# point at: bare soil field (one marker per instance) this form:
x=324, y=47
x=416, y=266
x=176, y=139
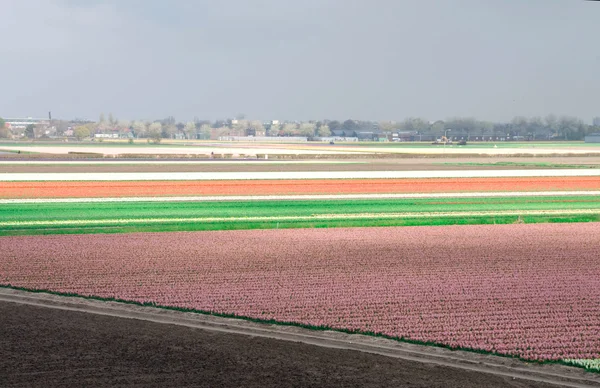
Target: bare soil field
x=290, y=187
x=44, y=347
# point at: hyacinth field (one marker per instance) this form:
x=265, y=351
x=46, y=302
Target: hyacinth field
x=529, y=291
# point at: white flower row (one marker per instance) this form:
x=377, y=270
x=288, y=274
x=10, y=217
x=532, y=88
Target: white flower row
x=311, y=197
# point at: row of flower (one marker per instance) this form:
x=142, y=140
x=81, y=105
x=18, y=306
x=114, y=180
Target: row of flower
x=63, y=189
x=524, y=290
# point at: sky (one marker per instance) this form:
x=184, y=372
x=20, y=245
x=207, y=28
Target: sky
x=299, y=60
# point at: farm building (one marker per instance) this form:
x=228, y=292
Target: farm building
x=593, y=138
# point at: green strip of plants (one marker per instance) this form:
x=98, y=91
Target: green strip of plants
x=329, y=223
x=144, y=210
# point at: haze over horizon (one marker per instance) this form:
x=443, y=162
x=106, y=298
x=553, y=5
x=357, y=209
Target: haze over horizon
x=292, y=60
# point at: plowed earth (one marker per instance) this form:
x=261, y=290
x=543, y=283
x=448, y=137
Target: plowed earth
x=288, y=187
x=56, y=348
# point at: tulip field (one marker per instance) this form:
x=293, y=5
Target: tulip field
x=527, y=291
x=134, y=188
x=493, y=261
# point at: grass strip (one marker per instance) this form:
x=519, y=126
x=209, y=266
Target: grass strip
x=19, y=212
x=192, y=226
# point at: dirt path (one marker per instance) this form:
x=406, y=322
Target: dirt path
x=468, y=362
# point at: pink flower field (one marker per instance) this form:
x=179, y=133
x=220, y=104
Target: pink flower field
x=526, y=290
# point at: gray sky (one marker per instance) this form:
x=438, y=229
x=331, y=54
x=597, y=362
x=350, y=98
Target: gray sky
x=300, y=60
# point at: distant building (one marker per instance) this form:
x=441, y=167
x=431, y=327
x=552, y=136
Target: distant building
x=106, y=136
x=596, y=122
x=593, y=138
x=22, y=123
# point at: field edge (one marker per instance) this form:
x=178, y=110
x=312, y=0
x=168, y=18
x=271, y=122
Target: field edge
x=300, y=325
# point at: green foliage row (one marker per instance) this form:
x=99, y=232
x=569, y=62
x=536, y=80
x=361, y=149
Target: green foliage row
x=333, y=223
x=143, y=210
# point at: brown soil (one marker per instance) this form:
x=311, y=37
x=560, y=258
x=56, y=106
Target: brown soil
x=42, y=347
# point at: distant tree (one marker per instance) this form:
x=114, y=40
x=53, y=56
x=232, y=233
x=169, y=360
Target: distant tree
x=350, y=126
x=289, y=129
x=240, y=127
x=307, y=129
x=168, y=130
x=205, y=131
x=551, y=123
x=536, y=128
x=323, y=131
x=520, y=125
x=257, y=125
x=485, y=128
x=155, y=132
x=112, y=121
x=168, y=121
x=571, y=128
x=30, y=131
x=101, y=120
x=219, y=124
x=462, y=125
x=438, y=127
x=334, y=125
x=275, y=130
x=139, y=128
x=81, y=132
x=387, y=126
x=415, y=124
x=4, y=132
x=199, y=123
x=190, y=130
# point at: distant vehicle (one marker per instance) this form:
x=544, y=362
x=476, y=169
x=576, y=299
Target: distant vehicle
x=442, y=140
x=331, y=143
x=462, y=142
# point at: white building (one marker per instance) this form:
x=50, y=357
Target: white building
x=22, y=123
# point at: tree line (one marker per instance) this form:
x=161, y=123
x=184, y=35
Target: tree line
x=531, y=128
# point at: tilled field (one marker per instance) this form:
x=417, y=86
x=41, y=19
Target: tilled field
x=42, y=347
x=523, y=290
x=287, y=187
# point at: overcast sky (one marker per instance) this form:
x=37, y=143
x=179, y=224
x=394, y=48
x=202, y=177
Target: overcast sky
x=300, y=60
